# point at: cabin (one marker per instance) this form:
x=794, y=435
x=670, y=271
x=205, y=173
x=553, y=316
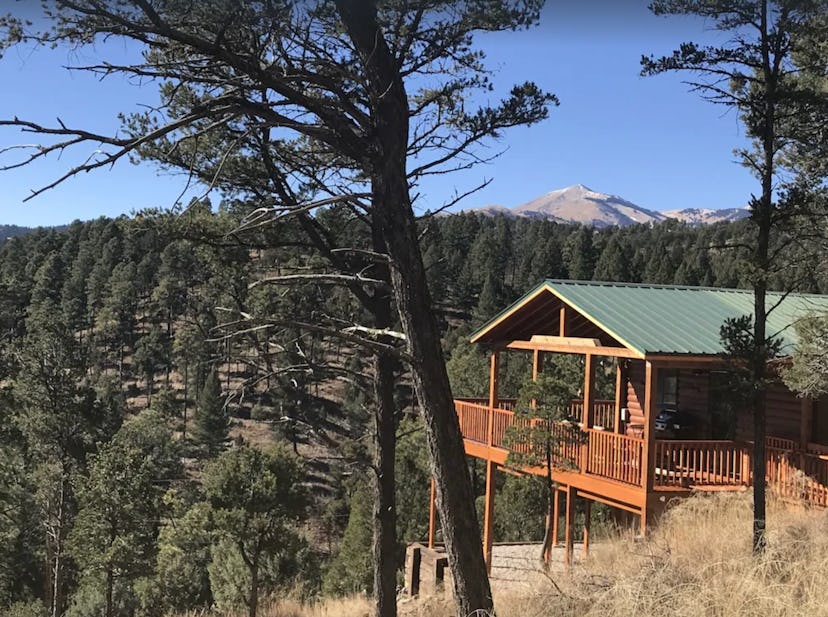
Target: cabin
x=668, y=430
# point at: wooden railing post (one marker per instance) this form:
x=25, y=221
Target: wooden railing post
x=587, y=412
x=589, y=390
x=619, y=403
x=494, y=370
x=648, y=451
x=746, y=466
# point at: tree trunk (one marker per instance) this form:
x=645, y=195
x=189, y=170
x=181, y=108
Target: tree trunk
x=385, y=511
x=186, y=401
x=253, y=598
x=762, y=216
x=391, y=208
x=109, y=584
x=546, y=545
x=58, y=537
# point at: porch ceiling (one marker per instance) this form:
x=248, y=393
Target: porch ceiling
x=539, y=312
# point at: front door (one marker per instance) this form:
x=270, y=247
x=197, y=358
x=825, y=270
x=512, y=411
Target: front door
x=722, y=406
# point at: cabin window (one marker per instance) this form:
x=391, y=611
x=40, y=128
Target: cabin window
x=819, y=419
x=668, y=388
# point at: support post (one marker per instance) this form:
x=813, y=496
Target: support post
x=432, y=514
x=488, y=514
x=562, y=322
x=556, y=517
x=619, y=394
x=648, y=451
x=494, y=370
x=589, y=390
x=537, y=363
x=587, y=522
x=569, y=539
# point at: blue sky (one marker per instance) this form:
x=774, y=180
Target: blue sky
x=646, y=139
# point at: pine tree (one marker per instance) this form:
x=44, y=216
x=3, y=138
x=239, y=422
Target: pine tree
x=114, y=537
x=256, y=500
x=212, y=423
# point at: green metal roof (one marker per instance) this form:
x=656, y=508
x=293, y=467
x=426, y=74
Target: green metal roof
x=671, y=319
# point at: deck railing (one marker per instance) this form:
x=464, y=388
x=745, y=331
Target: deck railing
x=798, y=475
x=603, y=411
x=474, y=420
x=710, y=463
x=614, y=456
x=595, y=452
x=791, y=473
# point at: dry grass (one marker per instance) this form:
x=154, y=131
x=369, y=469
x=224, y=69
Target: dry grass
x=697, y=563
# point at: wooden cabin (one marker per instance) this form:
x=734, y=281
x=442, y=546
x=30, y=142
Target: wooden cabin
x=663, y=344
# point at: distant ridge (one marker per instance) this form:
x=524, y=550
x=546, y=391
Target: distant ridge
x=12, y=231
x=580, y=204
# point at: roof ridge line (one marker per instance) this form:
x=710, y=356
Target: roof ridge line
x=674, y=287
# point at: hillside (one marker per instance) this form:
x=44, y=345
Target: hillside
x=145, y=313
x=12, y=231
x=580, y=204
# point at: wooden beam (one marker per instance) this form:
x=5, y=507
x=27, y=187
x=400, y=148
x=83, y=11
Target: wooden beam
x=494, y=371
x=569, y=538
x=556, y=516
x=610, y=502
x=619, y=395
x=432, y=514
x=589, y=390
x=648, y=451
x=600, y=350
x=617, y=494
x=562, y=329
x=537, y=363
x=488, y=514
x=587, y=522
x=534, y=294
x=578, y=341
x=680, y=361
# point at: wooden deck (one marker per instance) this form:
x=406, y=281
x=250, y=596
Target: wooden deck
x=608, y=467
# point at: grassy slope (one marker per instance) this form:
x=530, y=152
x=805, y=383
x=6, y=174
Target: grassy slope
x=697, y=563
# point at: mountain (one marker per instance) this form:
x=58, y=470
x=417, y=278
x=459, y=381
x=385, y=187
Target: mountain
x=706, y=216
x=580, y=204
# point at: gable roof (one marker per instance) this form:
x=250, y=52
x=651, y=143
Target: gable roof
x=664, y=319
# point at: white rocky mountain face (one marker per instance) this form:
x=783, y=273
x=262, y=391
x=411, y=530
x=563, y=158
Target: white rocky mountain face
x=580, y=204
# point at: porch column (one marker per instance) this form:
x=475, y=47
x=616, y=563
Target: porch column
x=562, y=323
x=488, y=514
x=589, y=390
x=619, y=393
x=494, y=371
x=587, y=522
x=648, y=451
x=556, y=516
x=432, y=514
x=569, y=539
x=537, y=363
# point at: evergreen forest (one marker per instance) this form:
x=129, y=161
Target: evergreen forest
x=180, y=428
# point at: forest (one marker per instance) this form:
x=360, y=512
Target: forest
x=172, y=438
